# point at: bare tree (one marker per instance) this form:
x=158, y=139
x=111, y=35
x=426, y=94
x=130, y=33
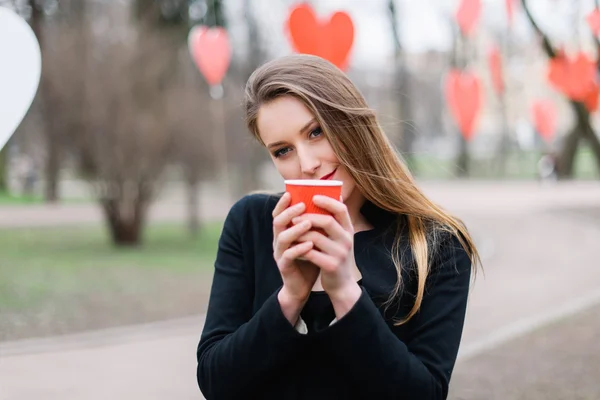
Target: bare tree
x=193, y=123
x=127, y=140
x=61, y=88
x=3, y=169
x=501, y=155
x=252, y=155
x=583, y=129
x=192, y=126
x=402, y=75
x=459, y=59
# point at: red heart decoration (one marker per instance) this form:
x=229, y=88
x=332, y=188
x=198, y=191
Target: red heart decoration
x=331, y=39
x=544, y=118
x=495, y=64
x=467, y=15
x=463, y=94
x=593, y=20
x=573, y=77
x=211, y=51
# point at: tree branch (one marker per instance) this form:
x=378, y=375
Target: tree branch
x=392, y=15
x=596, y=40
x=550, y=52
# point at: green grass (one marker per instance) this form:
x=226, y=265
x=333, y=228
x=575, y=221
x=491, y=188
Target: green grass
x=520, y=166
x=10, y=199
x=43, y=260
x=66, y=272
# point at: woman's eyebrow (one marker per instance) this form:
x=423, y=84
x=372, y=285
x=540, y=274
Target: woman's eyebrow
x=304, y=128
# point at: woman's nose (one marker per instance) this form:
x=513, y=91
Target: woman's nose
x=309, y=164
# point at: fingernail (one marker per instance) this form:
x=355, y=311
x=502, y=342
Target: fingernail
x=295, y=220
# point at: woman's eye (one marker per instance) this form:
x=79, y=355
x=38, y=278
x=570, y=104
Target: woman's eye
x=316, y=132
x=281, y=152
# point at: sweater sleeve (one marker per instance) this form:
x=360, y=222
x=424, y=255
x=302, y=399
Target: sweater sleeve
x=383, y=366
x=237, y=348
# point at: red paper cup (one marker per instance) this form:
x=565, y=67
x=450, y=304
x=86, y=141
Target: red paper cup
x=303, y=190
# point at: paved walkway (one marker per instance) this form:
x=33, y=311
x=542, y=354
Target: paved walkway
x=560, y=361
x=169, y=208
x=539, y=248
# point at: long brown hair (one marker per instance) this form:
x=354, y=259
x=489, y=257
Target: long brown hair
x=364, y=150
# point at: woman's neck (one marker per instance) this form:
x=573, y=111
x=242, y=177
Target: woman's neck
x=354, y=204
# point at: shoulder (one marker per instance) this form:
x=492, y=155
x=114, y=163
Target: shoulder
x=449, y=252
x=257, y=202
x=255, y=206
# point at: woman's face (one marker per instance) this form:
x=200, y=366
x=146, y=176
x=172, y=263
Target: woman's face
x=297, y=144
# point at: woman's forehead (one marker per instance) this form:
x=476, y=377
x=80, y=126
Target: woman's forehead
x=282, y=118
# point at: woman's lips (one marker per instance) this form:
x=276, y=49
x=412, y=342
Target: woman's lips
x=329, y=176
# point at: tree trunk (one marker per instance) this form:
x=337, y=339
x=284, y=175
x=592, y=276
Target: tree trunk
x=594, y=144
x=407, y=134
x=463, y=161
x=459, y=60
x=590, y=136
x=247, y=177
x=125, y=230
x=52, y=172
x=500, y=160
x=193, y=198
x=49, y=116
x=250, y=180
x=582, y=130
x=583, y=127
x=4, y=169
x=566, y=159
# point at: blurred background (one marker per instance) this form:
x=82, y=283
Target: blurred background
x=114, y=187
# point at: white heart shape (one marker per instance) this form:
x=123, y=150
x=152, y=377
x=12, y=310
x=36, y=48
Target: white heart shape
x=20, y=69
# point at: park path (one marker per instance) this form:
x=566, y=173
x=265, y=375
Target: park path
x=539, y=247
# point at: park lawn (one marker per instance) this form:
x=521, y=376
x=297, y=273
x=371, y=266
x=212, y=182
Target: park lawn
x=62, y=280
x=14, y=199
x=520, y=166
x=10, y=199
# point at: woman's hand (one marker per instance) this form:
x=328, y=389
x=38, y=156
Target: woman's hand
x=333, y=253
x=298, y=276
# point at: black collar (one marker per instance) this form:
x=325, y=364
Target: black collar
x=378, y=217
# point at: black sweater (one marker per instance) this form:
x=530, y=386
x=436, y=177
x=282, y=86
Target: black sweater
x=249, y=350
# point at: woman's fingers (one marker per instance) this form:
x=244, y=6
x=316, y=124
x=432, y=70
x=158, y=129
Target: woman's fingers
x=282, y=204
x=327, y=223
x=325, y=244
x=294, y=252
x=287, y=237
x=284, y=218
x=322, y=260
x=338, y=209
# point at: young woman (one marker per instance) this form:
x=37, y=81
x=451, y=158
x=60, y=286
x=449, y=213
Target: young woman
x=376, y=308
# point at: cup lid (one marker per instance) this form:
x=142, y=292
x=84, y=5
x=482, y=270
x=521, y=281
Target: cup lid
x=312, y=182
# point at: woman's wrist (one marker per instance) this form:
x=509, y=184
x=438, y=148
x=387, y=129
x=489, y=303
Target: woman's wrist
x=290, y=306
x=344, y=299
